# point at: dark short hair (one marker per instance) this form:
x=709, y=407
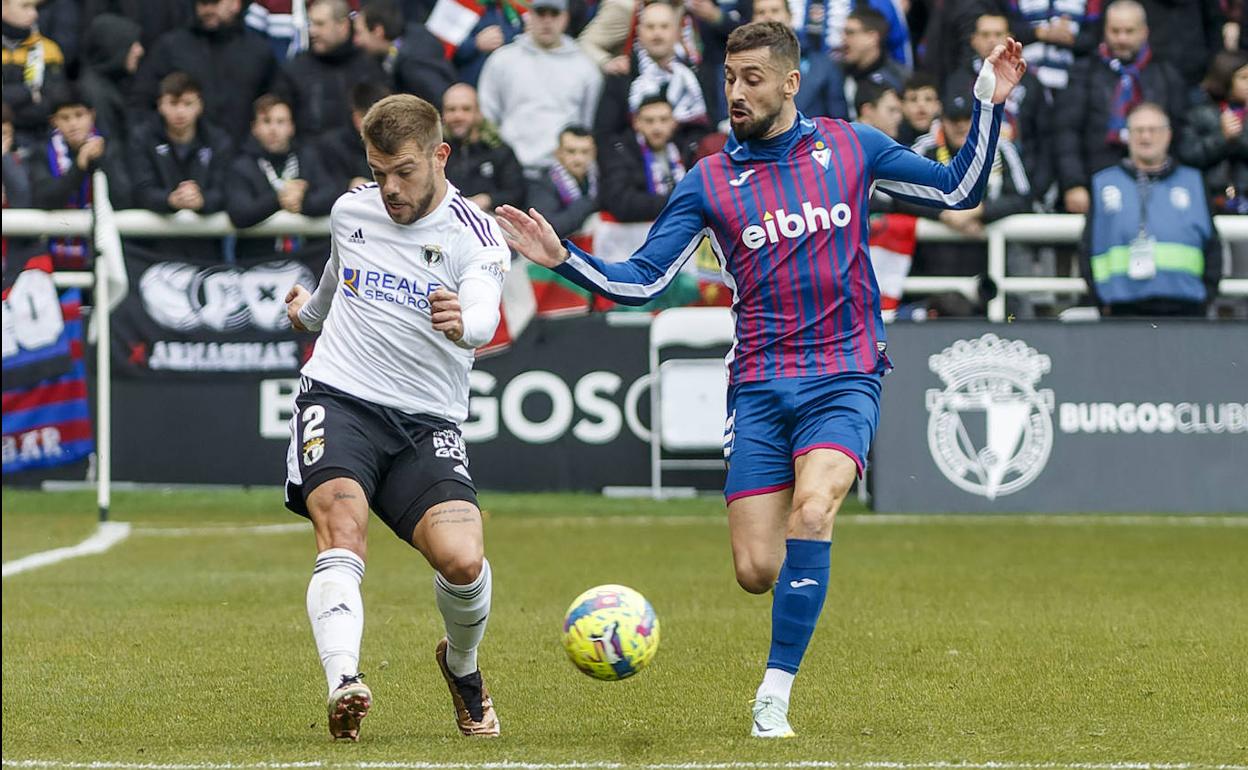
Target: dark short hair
x=385, y=14
x=1217, y=82
x=872, y=21
x=871, y=93
x=266, y=102
x=650, y=99
x=401, y=118
x=575, y=130
x=65, y=95
x=920, y=80
x=990, y=14
x=367, y=93
x=772, y=35
x=178, y=83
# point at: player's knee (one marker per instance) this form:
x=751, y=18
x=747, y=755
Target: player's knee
x=812, y=516
x=335, y=514
x=756, y=578
x=462, y=567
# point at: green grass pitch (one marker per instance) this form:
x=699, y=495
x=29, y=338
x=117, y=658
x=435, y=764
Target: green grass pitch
x=1021, y=642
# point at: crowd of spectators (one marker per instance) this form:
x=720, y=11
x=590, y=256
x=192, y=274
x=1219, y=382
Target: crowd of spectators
x=594, y=109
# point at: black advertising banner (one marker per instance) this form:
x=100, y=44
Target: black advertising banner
x=567, y=407
x=1113, y=416
x=190, y=318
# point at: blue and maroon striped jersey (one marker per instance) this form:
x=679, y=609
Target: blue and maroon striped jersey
x=787, y=219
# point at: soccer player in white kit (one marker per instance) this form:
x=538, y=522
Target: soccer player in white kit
x=411, y=288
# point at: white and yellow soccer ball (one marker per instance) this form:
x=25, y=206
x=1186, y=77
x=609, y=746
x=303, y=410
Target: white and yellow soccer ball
x=611, y=632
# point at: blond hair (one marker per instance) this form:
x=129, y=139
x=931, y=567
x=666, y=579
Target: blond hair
x=401, y=118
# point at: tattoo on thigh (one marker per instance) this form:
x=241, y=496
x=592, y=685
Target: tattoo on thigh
x=458, y=515
x=345, y=496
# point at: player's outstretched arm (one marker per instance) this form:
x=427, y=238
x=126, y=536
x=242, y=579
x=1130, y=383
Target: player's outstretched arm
x=673, y=237
x=308, y=311
x=960, y=184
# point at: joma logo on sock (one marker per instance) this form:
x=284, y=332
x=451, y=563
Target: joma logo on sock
x=803, y=583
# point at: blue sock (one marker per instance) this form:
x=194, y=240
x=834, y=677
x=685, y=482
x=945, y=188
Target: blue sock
x=800, y=591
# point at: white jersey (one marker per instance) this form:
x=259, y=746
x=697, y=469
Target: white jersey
x=378, y=342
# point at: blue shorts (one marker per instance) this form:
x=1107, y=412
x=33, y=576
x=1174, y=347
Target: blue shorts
x=773, y=422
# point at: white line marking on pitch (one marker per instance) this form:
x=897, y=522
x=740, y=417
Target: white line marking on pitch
x=109, y=534
x=505, y=765
x=247, y=529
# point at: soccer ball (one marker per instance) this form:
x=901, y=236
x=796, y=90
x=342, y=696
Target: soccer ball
x=611, y=632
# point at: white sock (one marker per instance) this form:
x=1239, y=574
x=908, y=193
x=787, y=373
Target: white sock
x=337, y=612
x=465, y=610
x=776, y=684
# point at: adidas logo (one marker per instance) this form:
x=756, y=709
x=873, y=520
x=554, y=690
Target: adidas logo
x=338, y=610
x=357, y=236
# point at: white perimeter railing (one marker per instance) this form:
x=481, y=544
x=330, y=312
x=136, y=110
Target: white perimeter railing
x=34, y=223
x=1048, y=229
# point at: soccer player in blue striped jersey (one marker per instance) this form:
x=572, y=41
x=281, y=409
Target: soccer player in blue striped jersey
x=784, y=207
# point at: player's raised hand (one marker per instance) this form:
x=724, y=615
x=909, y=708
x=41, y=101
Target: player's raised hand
x=1001, y=71
x=296, y=298
x=531, y=235
x=446, y=314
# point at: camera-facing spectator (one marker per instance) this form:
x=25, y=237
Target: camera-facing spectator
x=1149, y=244
x=111, y=54
x=32, y=65
x=567, y=194
x=920, y=107
x=864, y=57
x=60, y=169
x=1214, y=139
x=179, y=162
x=341, y=151
x=410, y=56
x=1027, y=110
x=273, y=173
x=641, y=168
x=498, y=26
x=533, y=87
x=1091, y=114
x=481, y=165
x=654, y=66
x=317, y=82
x=232, y=64
x=823, y=84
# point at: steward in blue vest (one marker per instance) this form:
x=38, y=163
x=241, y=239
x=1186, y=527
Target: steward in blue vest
x=1149, y=245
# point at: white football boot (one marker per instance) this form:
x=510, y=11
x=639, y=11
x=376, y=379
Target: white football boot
x=771, y=718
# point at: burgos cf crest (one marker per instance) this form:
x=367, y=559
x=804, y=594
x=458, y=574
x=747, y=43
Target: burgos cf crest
x=313, y=450
x=990, y=431
x=432, y=254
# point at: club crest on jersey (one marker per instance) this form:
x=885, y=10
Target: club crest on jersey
x=781, y=224
x=821, y=154
x=432, y=254
x=313, y=450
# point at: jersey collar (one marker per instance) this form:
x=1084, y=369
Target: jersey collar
x=771, y=149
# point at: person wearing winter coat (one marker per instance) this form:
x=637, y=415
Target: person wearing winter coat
x=273, y=173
